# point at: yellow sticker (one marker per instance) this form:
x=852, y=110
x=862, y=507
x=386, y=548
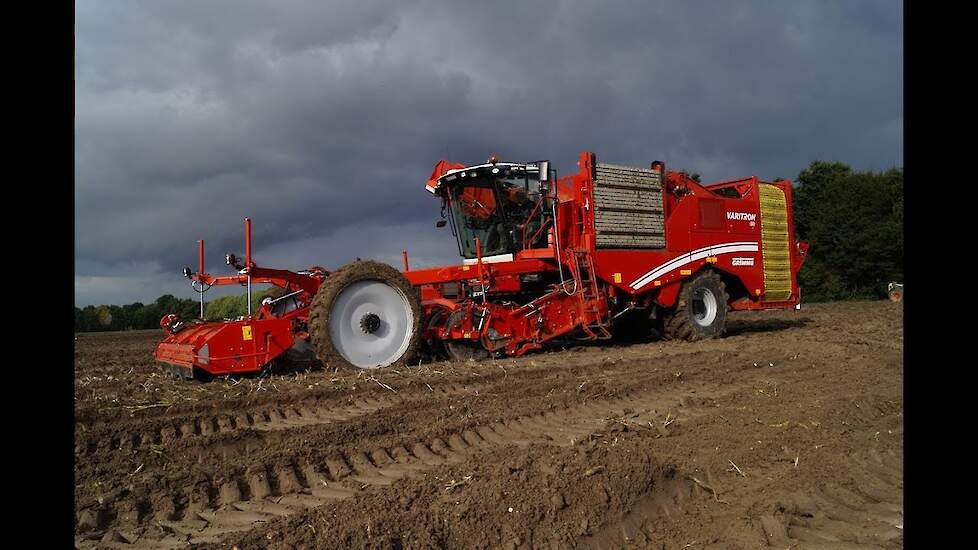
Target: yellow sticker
x=465, y=268
x=685, y=272
x=466, y=335
x=246, y=333
x=757, y=291
x=617, y=277
x=658, y=283
x=711, y=260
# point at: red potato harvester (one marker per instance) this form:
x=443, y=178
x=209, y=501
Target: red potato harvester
x=609, y=251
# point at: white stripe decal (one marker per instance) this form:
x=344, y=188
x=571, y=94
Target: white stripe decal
x=690, y=257
x=489, y=259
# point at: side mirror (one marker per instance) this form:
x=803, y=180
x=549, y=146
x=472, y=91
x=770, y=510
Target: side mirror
x=186, y=272
x=544, y=170
x=441, y=223
x=232, y=261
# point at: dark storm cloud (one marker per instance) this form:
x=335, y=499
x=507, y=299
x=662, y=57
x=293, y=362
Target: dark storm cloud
x=322, y=120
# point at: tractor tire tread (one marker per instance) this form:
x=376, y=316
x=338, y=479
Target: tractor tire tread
x=360, y=270
x=678, y=324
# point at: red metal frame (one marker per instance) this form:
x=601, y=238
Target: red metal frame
x=700, y=234
x=242, y=345
x=603, y=275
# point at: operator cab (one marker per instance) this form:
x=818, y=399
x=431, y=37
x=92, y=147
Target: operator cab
x=505, y=205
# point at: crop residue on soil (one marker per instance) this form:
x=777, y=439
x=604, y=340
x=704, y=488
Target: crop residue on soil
x=786, y=433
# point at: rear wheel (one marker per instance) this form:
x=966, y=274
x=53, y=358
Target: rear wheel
x=701, y=310
x=463, y=350
x=365, y=315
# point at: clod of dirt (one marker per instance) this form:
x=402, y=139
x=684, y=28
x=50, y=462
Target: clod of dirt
x=775, y=531
x=87, y=520
x=802, y=505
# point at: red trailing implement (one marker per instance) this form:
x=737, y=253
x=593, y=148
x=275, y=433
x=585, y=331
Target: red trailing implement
x=609, y=251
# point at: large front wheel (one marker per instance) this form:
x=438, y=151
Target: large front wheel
x=701, y=310
x=365, y=315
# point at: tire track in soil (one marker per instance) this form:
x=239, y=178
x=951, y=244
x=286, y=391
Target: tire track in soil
x=269, y=418
x=830, y=517
x=638, y=528
x=870, y=515
x=206, y=511
x=838, y=507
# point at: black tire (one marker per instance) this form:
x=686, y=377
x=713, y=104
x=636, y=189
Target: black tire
x=322, y=304
x=298, y=358
x=434, y=348
x=688, y=320
x=633, y=327
x=463, y=350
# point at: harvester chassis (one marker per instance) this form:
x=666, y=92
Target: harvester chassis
x=577, y=257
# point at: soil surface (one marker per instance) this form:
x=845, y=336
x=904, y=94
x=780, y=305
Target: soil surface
x=787, y=433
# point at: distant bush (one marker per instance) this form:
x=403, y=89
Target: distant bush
x=854, y=224
x=137, y=316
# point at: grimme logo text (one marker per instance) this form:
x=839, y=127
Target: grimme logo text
x=748, y=216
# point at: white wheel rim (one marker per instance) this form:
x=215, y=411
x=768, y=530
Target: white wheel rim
x=370, y=324
x=704, y=307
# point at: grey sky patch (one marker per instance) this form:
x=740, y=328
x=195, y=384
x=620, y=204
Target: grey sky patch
x=322, y=120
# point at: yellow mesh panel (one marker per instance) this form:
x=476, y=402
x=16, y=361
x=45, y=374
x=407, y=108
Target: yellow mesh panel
x=774, y=244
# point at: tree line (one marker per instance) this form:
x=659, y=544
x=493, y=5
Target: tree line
x=853, y=221
x=139, y=316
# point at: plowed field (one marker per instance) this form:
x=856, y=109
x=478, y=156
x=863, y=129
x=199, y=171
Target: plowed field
x=786, y=433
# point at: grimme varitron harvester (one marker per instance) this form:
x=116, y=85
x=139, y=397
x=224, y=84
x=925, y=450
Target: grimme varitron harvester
x=608, y=251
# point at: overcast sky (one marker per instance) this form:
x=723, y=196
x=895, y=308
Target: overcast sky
x=322, y=120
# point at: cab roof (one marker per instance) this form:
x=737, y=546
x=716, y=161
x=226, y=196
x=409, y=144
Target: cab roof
x=458, y=174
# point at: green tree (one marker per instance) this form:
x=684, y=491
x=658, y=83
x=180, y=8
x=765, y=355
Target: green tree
x=221, y=308
x=119, y=320
x=88, y=322
x=231, y=307
x=147, y=316
x=854, y=223
x=103, y=318
x=130, y=311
